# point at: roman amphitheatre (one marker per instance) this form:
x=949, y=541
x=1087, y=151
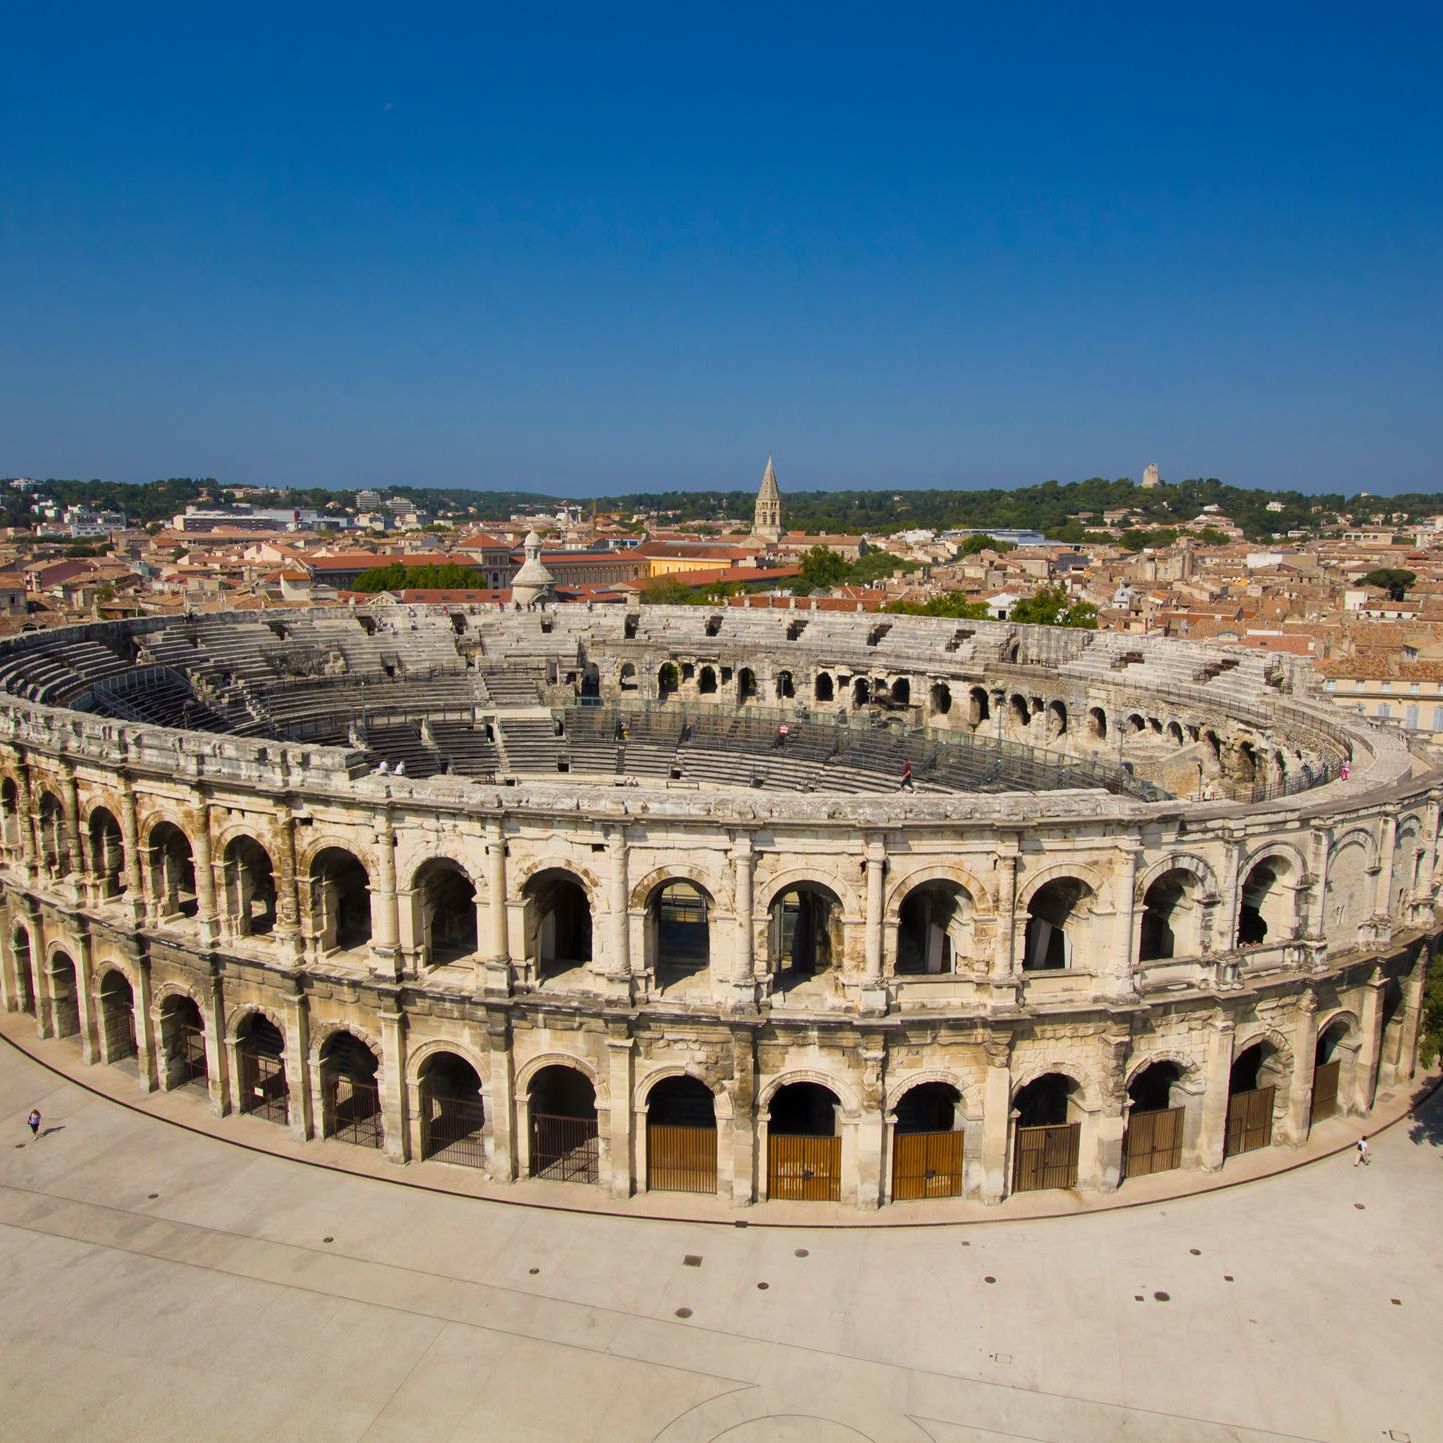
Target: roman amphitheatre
x=635, y=900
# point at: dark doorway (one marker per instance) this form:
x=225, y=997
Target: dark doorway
x=350, y=1096
x=681, y=1136
x=453, y=1114
x=260, y=1053
x=804, y=1154
x=564, y=1140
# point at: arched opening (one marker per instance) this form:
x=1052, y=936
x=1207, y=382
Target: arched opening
x=54, y=851
x=681, y=1136
x=626, y=681
x=107, y=853
x=589, y=682
x=1056, y=718
x=746, y=685
x=340, y=900
x=445, y=903
x=901, y=692
x=1328, y=1058
x=182, y=1042
x=939, y=698
x=564, y=1141
x=24, y=970
x=1246, y=763
x=706, y=681
x=172, y=873
x=1171, y=917
x=250, y=888
x=453, y=1116
x=261, y=1056
x=1266, y=904
x=1174, y=733
x=666, y=680
x=350, y=1095
x=1136, y=725
x=979, y=708
x=1153, y=1142
x=117, y=1017
x=1056, y=914
x=927, y=1143
x=934, y=929
x=822, y=688
x=1018, y=713
x=804, y=932
x=1257, y=1073
x=1348, y=892
x=786, y=686
x=1097, y=724
x=558, y=923
x=1391, y=1053
x=804, y=1150
x=678, y=916
x=861, y=692
x=10, y=819
x=1048, y=1134
x=65, y=996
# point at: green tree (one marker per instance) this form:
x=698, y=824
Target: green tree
x=955, y=604
x=984, y=542
x=399, y=577
x=1050, y=607
x=1395, y=580
x=1430, y=1042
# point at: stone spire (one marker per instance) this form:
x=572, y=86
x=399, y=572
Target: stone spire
x=768, y=523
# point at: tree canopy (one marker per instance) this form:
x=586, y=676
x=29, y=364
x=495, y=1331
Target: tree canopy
x=397, y=577
x=1050, y=607
x=1395, y=580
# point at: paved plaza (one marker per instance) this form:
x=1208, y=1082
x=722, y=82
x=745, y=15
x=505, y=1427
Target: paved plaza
x=160, y=1284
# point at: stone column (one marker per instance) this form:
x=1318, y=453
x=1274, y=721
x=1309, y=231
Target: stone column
x=289, y=929
x=1370, y=1047
x=743, y=1089
x=1004, y=960
x=1413, y=1014
x=25, y=805
x=394, y=1092
x=385, y=917
x=498, y=949
x=996, y=1119
x=871, y=1128
x=130, y=842
x=618, y=967
x=1111, y=1128
x=1125, y=940
x=1315, y=924
x=1300, y=1089
x=85, y=999
x=1383, y=882
x=298, y=1068
x=874, y=995
x=502, y=1098
x=204, y=876
x=619, y=1052
x=70, y=798
x=745, y=983
x=1212, y=1135
x=219, y=1051
x=147, y=1060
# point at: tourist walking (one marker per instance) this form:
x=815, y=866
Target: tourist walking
x=1362, y=1159
x=33, y=1122
x=905, y=785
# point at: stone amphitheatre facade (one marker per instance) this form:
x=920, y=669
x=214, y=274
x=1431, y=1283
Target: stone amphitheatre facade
x=636, y=899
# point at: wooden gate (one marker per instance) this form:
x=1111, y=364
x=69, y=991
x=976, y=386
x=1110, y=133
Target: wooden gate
x=565, y=1149
x=1325, y=1090
x=1046, y=1157
x=1250, y=1120
x=263, y=1085
x=353, y=1111
x=451, y=1129
x=926, y=1164
x=1153, y=1142
x=680, y=1159
x=804, y=1169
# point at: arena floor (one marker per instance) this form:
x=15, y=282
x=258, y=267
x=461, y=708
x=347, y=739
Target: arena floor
x=161, y=1284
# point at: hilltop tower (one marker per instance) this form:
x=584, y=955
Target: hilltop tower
x=768, y=523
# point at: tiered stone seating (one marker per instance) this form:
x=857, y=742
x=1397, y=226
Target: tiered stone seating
x=530, y=744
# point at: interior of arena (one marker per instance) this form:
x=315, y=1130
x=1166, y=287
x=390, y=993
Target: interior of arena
x=765, y=903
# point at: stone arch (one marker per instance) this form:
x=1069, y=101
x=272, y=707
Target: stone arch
x=1189, y=1069
x=768, y=891
x=1084, y=1089
x=935, y=928
x=680, y=871
x=105, y=849
x=1083, y=871
x=805, y=936
x=1170, y=916
x=53, y=834
x=416, y=1060
x=669, y=1072
x=338, y=893
x=823, y=688
x=679, y=916
x=249, y=881
x=321, y=1032
x=559, y=921
x=526, y=1074
x=963, y=876
x=1097, y=723
x=939, y=698
x=851, y=1108
x=1272, y=1037
x=329, y=841
x=1192, y=862
x=1269, y=886
x=969, y=1093
x=236, y=1017
x=444, y=898
x=524, y=872
x=979, y=706
x=1057, y=717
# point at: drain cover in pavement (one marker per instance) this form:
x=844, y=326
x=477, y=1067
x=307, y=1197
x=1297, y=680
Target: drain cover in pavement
x=691, y=1260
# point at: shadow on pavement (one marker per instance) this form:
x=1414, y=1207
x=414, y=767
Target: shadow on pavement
x=1427, y=1123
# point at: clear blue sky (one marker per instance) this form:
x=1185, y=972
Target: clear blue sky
x=592, y=248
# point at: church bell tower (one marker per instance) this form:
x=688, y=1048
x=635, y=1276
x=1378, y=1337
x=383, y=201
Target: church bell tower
x=768, y=523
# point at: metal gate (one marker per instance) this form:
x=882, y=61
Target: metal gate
x=804, y=1169
x=263, y=1085
x=565, y=1149
x=353, y=1111
x=119, y=1024
x=680, y=1159
x=1046, y=1157
x=451, y=1130
x=926, y=1164
x=189, y=1056
x=1325, y=1090
x=1153, y=1142
x=1250, y=1120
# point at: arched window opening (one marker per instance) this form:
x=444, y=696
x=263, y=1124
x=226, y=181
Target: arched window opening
x=340, y=900
x=1171, y=917
x=627, y=680
x=10, y=819
x=172, y=873
x=786, y=686
x=666, y=680
x=861, y=692
x=445, y=899
x=24, y=970
x=107, y=853
x=1153, y=1142
x=822, y=688
x=564, y=1138
x=1174, y=732
x=681, y=1136
x=901, y=692
x=350, y=1094
x=979, y=708
x=453, y=1116
x=558, y=923
x=1017, y=708
x=54, y=850
x=117, y=1017
x=250, y=888
x=1328, y=1058
x=589, y=682
x=706, y=681
x=927, y=1143
x=804, y=1151
x=182, y=1042
x=1048, y=1134
x=1097, y=724
x=1136, y=725
x=261, y=1054
x=804, y=933
x=746, y=684
x=1265, y=901
x=678, y=915
x=1056, y=718
x=1055, y=915
x=934, y=929
x=1252, y=1093
x=939, y=698
x=65, y=997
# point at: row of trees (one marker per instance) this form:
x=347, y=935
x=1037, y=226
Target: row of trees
x=399, y=577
